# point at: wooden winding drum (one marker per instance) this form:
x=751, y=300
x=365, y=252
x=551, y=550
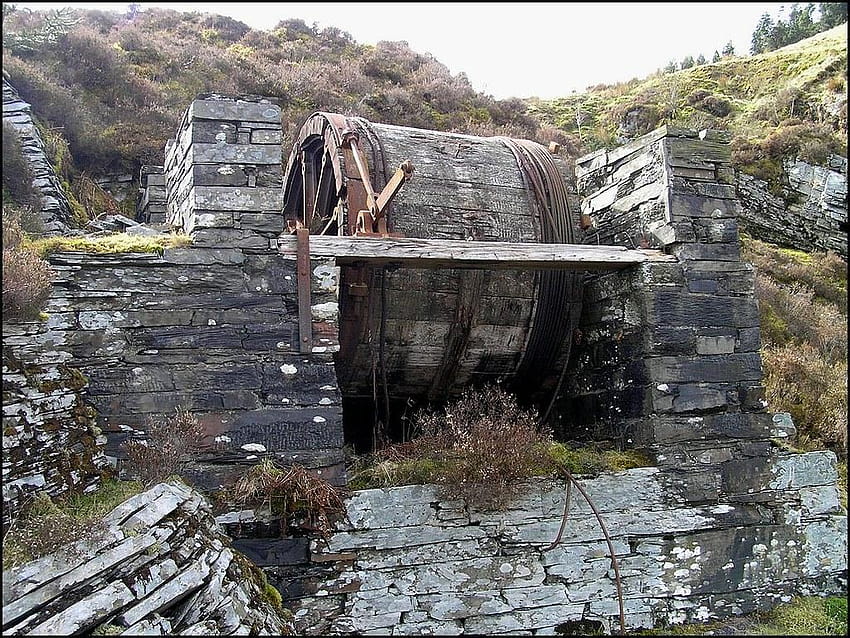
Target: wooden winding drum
x=430, y=333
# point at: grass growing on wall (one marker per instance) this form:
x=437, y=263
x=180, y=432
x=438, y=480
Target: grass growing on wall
x=480, y=447
x=47, y=525
x=803, y=616
x=115, y=243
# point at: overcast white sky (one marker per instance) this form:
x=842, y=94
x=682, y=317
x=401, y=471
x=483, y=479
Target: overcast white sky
x=513, y=49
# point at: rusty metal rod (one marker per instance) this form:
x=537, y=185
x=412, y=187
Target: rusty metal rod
x=571, y=480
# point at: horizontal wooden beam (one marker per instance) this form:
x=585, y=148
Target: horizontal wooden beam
x=447, y=253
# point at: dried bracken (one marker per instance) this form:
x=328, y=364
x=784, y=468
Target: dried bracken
x=168, y=445
x=300, y=499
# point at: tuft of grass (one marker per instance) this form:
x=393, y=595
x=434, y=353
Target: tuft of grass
x=115, y=243
x=807, y=616
x=300, y=499
x=803, y=616
x=47, y=525
x=378, y=471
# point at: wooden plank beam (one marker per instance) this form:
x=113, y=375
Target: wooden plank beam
x=447, y=253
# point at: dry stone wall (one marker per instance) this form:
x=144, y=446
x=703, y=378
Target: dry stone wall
x=810, y=213
x=51, y=442
x=55, y=209
x=411, y=562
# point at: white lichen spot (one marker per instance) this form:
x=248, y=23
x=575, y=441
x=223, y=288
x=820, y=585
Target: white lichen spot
x=222, y=439
x=327, y=387
x=663, y=387
x=774, y=542
x=281, y=344
x=254, y=447
x=287, y=278
x=211, y=322
x=722, y=509
x=681, y=573
x=327, y=276
x=250, y=457
x=323, y=311
x=791, y=544
x=285, y=400
x=786, y=598
x=694, y=567
x=319, y=349
x=319, y=419
x=668, y=565
x=702, y=613
x=506, y=568
x=728, y=566
x=682, y=590
x=759, y=548
x=221, y=138
x=325, y=401
x=287, y=368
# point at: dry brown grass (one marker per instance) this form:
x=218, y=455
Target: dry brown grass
x=168, y=446
x=480, y=445
x=301, y=500
x=803, y=306
x=26, y=277
x=800, y=381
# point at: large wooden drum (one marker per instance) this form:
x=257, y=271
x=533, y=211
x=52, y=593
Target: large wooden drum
x=427, y=334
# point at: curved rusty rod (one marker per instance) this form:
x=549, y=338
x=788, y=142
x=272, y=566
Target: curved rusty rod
x=572, y=481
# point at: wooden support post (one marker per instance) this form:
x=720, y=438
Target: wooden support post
x=305, y=317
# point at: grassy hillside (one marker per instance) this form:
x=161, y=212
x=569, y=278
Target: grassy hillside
x=113, y=86
x=788, y=102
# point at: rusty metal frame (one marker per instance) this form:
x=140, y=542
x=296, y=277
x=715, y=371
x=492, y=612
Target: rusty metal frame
x=305, y=318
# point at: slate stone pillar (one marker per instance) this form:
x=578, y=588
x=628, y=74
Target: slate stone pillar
x=151, y=207
x=224, y=173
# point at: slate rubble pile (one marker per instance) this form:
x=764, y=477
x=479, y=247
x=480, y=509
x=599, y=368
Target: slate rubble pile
x=158, y=565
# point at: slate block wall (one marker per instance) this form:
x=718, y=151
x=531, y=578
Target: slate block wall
x=151, y=206
x=210, y=331
x=668, y=340
x=224, y=173
x=50, y=440
x=55, y=212
x=411, y=562
x=809, y=214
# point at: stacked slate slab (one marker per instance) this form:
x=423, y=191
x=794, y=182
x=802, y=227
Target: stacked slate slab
x=156, y=565
x=151, y=207
x=55, y=210
x=810, y=212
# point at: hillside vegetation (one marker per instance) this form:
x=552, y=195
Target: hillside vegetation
x=113, y=86
x=786, y=103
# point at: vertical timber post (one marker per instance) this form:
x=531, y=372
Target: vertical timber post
x=305, y=319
